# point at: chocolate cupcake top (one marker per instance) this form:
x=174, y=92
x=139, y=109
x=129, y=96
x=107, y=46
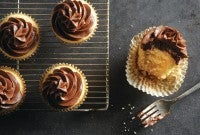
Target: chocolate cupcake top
x=73, y=20
x=10, y=93
x=17, y=36
x=167, y=39
x=62, y=88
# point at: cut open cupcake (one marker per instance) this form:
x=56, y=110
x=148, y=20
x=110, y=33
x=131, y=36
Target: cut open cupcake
x=157, y=61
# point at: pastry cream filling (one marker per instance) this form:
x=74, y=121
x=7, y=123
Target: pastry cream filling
x=155, y=62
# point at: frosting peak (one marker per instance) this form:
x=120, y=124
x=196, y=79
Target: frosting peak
x=9, y=90
x=62, y=88
x=73, y=20
x=17, y=37
x=167, y=39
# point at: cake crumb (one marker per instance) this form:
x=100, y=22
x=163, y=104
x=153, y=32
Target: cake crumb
x=126, y=124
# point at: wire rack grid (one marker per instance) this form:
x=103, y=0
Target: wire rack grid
x=92, y=57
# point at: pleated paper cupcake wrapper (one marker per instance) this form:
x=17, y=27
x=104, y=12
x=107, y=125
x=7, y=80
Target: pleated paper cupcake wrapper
x=158, y=88
x=85, y=39
x=4, y=112
x=83, y=94
x=34, y=23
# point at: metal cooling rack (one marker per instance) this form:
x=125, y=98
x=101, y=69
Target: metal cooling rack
x=92, y=57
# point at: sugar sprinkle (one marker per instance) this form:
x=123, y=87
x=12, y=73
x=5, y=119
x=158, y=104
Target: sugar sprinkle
x=133, y=118
x=127, y=124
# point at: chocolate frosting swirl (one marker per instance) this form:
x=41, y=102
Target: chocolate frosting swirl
x=167, y=39
x=18, y=37
x=10, y=93
x=62, y=88
x=72, y=20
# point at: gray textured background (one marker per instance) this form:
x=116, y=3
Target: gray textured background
x=127, y=18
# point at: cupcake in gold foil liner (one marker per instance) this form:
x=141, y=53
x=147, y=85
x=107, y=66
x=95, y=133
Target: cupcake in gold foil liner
x=19, y=36
x=12, y=90
x=63, y=87
x=81, y=25
x=154, y=70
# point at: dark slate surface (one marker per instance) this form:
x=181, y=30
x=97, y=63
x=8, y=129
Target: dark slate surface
x=127, y=18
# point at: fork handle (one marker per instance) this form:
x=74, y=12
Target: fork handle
x=188, y=92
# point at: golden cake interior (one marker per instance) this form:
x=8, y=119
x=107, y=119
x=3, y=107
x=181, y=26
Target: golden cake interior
x=155, y=63
x=160, y=52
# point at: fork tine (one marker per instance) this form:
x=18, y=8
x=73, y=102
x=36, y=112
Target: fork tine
x=149, y=113
x=152, y=116
x=148, y=108
x=152, y=119
x=156, y=114
x=149, y=124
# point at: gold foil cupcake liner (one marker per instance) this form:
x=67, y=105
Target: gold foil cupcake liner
x=16, y=73
x=83, y=94
x=34, y=23
x=159, y=88
x=85, y=39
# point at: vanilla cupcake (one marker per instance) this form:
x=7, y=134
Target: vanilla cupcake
x=12, y=89
x=157, y=61
x=64, y=87
x=19, y=36
x=74, y=21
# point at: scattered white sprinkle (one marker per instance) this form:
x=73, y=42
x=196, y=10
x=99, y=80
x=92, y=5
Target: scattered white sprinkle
x=130, y=108
x=151, y=130
x=120, y=48
x=132, y=26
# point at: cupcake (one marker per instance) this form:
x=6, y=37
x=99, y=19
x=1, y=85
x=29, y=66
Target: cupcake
x=74, y=21
x=19, y=36
x=157, y=61
x=12, y=89
x=64, y=87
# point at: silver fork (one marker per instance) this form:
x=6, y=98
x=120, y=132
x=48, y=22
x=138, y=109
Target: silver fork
x=160, y=108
